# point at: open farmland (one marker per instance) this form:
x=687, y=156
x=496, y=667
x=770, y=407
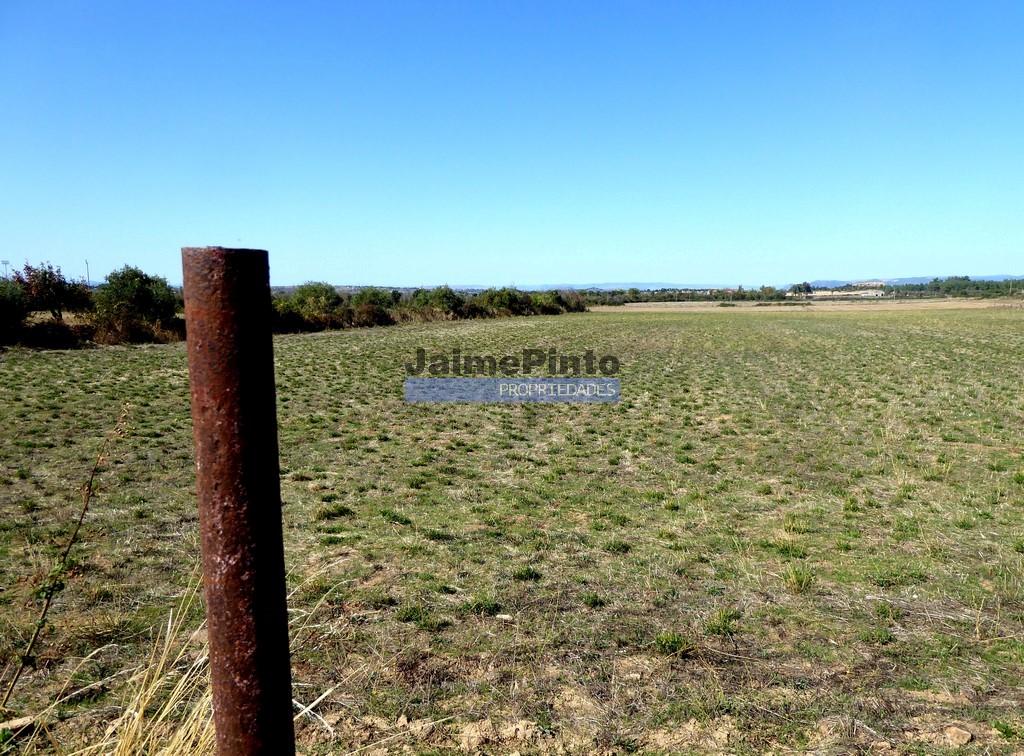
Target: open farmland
x=799, y=529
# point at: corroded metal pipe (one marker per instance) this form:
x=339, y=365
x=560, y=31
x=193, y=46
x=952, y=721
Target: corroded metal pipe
x=231, y=372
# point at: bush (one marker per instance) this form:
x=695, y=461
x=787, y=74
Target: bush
x=506, y=301
x=371, y=295
x=320, y=306
x=134, y=306
x=420, y=298
x=548, y=303
x=448, y=301
x=13, y=308
x=368, y=314
x=573, y=301
x=286, y=318
x=313, y=306
x=474, y=308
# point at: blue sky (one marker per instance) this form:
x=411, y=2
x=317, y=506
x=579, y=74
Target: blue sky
x=418, y=143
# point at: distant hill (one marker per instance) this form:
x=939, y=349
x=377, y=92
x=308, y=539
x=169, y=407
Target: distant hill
x=831, y=284
x=653, y=286
x=642, y=286
x=820, y=284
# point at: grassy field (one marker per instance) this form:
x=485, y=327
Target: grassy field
x=799, y=530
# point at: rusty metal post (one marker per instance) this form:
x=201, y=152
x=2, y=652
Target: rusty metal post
x=231, y=372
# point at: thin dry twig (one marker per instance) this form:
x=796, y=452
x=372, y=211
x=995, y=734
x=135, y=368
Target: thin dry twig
x=54, y=584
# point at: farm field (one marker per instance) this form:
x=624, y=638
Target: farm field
x=800, y=529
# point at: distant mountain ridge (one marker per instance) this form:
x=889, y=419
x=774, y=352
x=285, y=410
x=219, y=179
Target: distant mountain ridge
x=830, y=284
x=653, y=286
x=821, y=283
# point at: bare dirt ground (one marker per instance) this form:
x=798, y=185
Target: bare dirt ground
x=845, y=305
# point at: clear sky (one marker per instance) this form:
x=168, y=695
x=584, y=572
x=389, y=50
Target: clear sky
x=418, y=143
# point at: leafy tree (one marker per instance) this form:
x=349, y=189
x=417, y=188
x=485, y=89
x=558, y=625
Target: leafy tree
x=46, y=289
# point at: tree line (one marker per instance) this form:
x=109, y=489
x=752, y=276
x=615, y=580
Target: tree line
x=959, y=286
x=593, y=297
x=129, y=307
x=132, y=306
x=319, y=306
x=953, y=286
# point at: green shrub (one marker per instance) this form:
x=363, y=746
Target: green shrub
x=371, y=295
x=445, y=299
x=286, y=318
x=134, y=306
x=319, y=305
x=547, y=303
x=13, y=308
x=506, y=301
x=369, y=314
x=475, y=309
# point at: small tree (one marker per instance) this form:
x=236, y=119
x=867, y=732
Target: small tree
x=47, y=290
x=135, y=306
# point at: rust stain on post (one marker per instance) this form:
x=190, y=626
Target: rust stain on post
x=231, y=372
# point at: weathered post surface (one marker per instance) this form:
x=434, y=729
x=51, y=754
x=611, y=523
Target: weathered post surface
x=231, y=372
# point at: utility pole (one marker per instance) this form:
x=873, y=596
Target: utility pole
x=88, y=280
x=5, y=263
